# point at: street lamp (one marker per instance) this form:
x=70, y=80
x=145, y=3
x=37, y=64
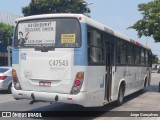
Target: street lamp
x=87, y=4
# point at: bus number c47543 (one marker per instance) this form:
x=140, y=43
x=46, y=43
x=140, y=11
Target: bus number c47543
x=59, y=63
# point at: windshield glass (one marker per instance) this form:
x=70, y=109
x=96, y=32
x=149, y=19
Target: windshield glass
x=2, y=70
x=48, y=33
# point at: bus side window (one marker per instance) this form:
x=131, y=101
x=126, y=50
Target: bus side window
x=118, y=52
x=146, y=58
x=137, y=56
x=89, y=36
x=95, y=46
x=130, y=54
x=149, y=59
x=121, y=52
x=142, y=57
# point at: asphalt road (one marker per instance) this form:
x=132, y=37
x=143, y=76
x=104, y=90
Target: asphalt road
x=140, y=101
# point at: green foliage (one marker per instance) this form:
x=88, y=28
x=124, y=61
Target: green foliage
x=155, y=59
x=149, y=25
x=55, y=6
x=5, y=34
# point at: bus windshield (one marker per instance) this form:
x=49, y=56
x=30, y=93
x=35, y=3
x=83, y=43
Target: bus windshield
x=57, y=33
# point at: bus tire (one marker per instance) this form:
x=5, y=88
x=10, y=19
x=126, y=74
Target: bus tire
x=120, y=95
x=144, y=86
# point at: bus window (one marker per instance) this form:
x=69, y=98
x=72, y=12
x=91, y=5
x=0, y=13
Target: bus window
x=95, y=38
x=142, y=57
x=95, y=46
x=95, y=55
x=121, y=52
x=130, y=54
x=58, y=33
x=148, y=58
x=137, y=56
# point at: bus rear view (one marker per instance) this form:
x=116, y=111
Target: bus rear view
x=71, y=58
x=45, y=53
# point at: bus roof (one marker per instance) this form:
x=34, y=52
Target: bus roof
x=87, y=20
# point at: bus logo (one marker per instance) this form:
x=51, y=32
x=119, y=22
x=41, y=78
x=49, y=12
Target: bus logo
x=6, y=114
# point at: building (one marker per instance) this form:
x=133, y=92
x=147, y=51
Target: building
x=6, y=18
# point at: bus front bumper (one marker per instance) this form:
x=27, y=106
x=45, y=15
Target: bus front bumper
x=79, y=99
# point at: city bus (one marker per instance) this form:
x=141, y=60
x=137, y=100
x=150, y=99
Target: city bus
x=73, y=59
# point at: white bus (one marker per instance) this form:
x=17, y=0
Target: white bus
x=70, y=58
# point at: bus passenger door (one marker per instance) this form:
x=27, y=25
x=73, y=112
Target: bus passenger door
x=109, y=48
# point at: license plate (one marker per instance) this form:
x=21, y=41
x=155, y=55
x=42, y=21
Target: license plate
x=45, y=83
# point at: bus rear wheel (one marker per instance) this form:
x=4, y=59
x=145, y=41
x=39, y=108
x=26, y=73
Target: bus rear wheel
x=144, y=86
x=120, y=95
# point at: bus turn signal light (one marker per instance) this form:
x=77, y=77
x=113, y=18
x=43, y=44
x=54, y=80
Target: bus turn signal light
x=79, y=76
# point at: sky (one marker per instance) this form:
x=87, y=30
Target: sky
x=119, y=15
x=116, y=14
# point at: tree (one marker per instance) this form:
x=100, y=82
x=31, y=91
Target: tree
x=155, y=59
x=5, y=34
x=149, y=25
x=55, y=6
